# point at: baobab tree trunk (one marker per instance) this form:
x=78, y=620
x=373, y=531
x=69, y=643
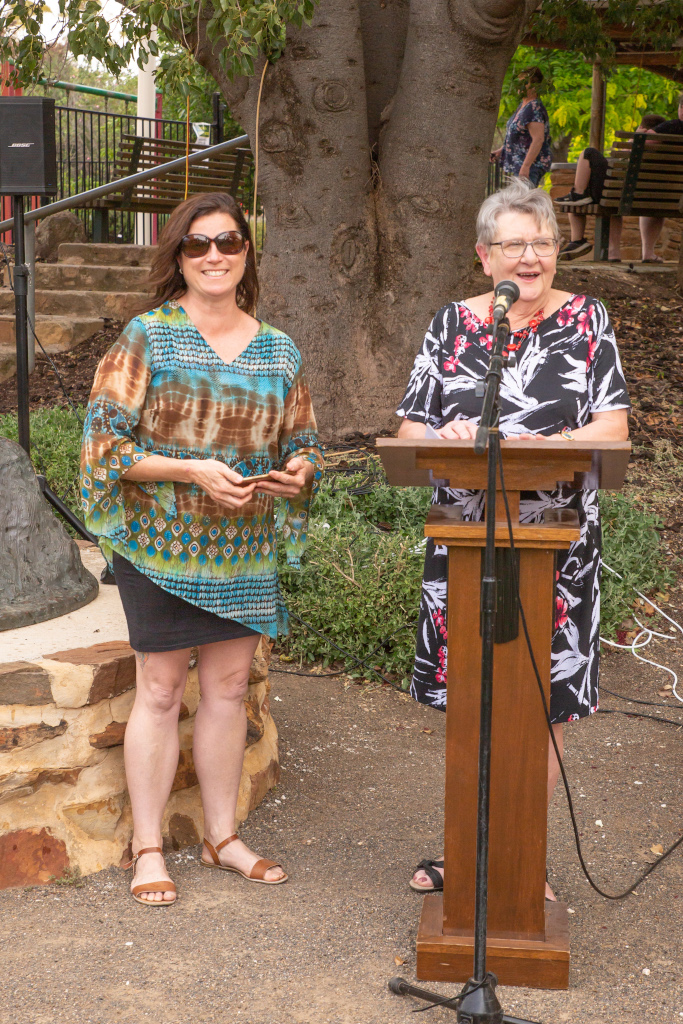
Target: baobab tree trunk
x=371, y=182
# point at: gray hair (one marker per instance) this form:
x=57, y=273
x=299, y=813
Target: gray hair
x=519, y=196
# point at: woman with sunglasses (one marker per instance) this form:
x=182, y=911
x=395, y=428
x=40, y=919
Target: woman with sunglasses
x=567, y=383
x=199, y=417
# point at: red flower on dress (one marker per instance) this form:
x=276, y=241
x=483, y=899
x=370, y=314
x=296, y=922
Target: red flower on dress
x=584, y=320
x=577, y=302
x=561, y=608
x=461, y=343
x=565, y=318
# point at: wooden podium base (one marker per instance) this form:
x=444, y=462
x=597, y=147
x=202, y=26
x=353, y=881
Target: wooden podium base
x=522, y=962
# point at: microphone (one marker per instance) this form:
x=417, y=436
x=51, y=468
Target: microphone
x=504, y=296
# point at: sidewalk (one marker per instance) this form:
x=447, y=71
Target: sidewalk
x=359, y=804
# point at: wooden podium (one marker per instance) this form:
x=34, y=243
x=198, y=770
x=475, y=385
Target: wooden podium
x=527, y=937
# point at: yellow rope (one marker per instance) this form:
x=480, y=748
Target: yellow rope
x=187, y=146
x=258, y=113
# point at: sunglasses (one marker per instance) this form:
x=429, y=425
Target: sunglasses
x=228, y=243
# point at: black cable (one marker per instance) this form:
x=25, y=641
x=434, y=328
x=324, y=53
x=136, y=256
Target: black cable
x=667, y=853
x=638, y=714
x=634, y=700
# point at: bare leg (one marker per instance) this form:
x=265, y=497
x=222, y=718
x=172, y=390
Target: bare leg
x=151, y=756
x=219, y=736
x=615, y=226
x=582, y=175
x=553, y=774
x=650, y=230
x=577, y=224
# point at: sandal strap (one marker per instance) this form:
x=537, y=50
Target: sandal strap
x=428, y=866
x=153, y=887
x=213, y=850
x=261, y=866
x=148, y=849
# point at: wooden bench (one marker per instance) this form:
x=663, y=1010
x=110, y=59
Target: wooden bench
x=222, y=172
x=644, y=179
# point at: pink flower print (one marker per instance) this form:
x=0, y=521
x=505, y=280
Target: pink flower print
x=486, y=339
x=573, y=718
x=584, y=320
x=439, y=620
x=450, y=364
x=441, y=676
x=461, y=343
x=565, y=318
x=577, y=303
x=592, y=345
x=561, y=608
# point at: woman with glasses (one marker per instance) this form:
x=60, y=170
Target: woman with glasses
x=567, y=383
x=199, y=417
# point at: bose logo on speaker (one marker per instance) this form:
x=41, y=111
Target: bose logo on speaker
x=20, y=145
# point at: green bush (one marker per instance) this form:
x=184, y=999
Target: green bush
x=630, y=546
x=55, y=449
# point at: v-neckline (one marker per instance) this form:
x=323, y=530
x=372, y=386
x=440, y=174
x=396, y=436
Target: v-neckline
x=212, y=349
x=568, y=302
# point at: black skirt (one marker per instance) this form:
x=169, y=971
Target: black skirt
x=159, y=621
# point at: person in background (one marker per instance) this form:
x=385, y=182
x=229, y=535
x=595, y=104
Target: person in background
x=589, y=181
x=526, y=153
x=651, y=227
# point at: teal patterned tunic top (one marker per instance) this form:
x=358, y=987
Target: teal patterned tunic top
x=162, y=390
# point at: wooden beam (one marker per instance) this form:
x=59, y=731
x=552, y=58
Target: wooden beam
x=598, y=96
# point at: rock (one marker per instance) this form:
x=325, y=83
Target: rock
x=254, y=720
x=28, y=735
x=60, y=227
x=182, y=832
x=185, y=776
x=24, y=683
x=41, y=573
x=112, y=736
x=31, y=857
x=97, y=819
x=113, y=672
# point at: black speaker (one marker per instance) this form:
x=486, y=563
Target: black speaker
x=28, y=154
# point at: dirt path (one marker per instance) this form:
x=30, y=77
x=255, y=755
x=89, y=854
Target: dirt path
x=361, y=802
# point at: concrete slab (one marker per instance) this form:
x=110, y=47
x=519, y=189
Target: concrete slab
x=98, y=622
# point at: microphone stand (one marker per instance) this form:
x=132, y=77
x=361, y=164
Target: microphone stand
x=478, y=1003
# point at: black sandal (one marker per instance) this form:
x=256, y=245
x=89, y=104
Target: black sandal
x=436, y=879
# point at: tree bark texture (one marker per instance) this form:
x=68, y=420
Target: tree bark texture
x=375, y=132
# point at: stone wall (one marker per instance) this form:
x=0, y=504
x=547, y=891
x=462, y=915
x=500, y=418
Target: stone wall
x=63, y=800
x=669, y=244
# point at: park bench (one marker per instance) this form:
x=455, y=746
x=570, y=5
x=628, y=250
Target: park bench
x=222, y=172
x=644, y=179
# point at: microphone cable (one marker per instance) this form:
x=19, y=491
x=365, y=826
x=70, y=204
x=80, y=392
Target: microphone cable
x=577, y=841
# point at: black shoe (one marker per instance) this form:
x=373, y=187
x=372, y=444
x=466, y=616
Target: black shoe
x=575, y=199
x=574, y=249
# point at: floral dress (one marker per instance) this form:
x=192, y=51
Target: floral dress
x=518, y=140
x=567, y=368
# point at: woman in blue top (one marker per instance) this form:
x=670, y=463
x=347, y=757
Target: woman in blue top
x=526, y=153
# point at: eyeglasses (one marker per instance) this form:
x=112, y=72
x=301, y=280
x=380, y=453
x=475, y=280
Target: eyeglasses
x=516, y=247
x=228, y=243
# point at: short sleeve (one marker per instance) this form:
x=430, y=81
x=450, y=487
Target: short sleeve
x=422, y=400
x=532, y=111
x=606, y=383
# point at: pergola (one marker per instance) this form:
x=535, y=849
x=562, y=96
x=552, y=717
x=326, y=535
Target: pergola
x=629, y=50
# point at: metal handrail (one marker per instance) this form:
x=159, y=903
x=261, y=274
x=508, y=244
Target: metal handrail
x=82, y=198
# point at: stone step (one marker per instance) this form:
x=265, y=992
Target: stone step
x=56, y=333
x=106, y=254
x=64, y=276
x=115, y=305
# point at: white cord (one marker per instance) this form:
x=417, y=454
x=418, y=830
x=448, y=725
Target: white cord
x=646, y=633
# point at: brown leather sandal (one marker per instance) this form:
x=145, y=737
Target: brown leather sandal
x=150, y=886
x=257, y=873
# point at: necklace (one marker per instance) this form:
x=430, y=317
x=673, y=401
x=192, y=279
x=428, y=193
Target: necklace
x=523, y=332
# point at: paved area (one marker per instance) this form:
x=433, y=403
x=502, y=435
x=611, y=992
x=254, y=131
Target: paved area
x=359, y=804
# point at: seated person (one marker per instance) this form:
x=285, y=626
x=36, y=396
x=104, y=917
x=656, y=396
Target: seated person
x=651, y=227
x=589, y=181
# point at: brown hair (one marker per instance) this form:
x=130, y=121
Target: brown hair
x=532, y=75
x=165, y=278
x=651, y=120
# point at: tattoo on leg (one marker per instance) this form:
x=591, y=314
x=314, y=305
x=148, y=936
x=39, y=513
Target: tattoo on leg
x=142, y=658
